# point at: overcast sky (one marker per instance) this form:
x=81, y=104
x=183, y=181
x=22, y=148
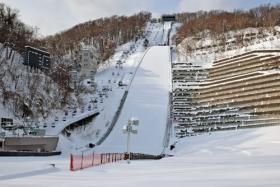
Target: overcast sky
x=52, y=16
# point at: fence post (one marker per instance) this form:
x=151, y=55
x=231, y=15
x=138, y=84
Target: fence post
x=82, y=160
x=71, y=163
x=101, y=158
x=92, y=159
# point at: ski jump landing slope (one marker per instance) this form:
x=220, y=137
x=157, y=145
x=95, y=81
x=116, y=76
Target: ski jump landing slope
x=147, y=100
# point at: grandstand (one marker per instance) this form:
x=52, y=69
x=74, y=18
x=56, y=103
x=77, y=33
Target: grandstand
x=241, y=91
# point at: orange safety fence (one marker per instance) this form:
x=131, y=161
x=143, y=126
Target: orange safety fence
x=78, y=162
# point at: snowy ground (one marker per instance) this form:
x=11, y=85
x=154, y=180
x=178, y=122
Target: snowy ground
x=248, y=157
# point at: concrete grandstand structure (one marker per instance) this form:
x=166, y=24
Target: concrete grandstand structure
x=186, y=79
x=241, y=91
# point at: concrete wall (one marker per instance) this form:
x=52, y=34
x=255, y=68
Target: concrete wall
x=31, y=143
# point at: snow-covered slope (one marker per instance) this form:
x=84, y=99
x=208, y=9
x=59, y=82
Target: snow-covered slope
x=147, y=100
x=203, y=50
x=108, y=76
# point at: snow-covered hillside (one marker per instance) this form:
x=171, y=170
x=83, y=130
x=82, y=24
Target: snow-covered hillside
x=25, y=91
x=204, y=48
x=121, y=66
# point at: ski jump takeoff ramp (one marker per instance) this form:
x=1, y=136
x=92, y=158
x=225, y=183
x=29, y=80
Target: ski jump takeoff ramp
x=148, y=101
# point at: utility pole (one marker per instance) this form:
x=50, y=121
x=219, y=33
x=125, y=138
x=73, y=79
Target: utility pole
x=128, y=129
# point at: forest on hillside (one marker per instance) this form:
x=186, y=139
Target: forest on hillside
x=13, y=32
x=28, y=92
x=218, y=21
x=104, y=34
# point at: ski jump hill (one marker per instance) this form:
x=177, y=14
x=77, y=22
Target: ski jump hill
x=148, y=101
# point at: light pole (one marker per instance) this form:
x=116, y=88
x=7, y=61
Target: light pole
x=127, y=129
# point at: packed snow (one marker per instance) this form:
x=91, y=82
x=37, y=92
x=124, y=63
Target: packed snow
x=148, y=101
x=248, y=157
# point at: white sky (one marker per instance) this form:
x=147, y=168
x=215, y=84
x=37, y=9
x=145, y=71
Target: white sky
x=55, y=15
